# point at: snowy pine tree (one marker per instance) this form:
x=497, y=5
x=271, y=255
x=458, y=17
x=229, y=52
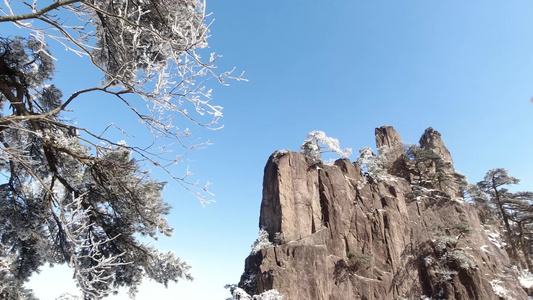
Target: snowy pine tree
x=318, y=142
x=70, y=195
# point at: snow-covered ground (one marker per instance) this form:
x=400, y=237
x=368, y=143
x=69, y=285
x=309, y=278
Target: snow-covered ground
x=526, y=279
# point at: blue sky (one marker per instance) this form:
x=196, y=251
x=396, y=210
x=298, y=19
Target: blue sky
x=464, y=68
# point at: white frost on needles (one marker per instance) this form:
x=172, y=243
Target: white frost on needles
x=318, y=140
x=240, y=294
x=262, y=242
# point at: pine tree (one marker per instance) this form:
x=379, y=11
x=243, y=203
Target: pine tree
x=429, y=169
x=317, y=142
x=73, y=196
x=514, y=209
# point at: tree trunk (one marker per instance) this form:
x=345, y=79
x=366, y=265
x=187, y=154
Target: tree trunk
x=525, y=247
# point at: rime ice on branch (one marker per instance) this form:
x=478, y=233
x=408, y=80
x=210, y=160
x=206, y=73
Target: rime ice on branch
x=71, y=195
x=317, y=142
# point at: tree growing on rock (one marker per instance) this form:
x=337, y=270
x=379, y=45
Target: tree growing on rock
x=481, y=202
x=373, y=164
x=71, y=195
x=513, y=209
x=428, y=167
x=317, y=142
x=240, y=294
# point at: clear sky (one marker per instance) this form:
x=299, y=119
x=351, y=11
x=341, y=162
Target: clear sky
x=464, y=68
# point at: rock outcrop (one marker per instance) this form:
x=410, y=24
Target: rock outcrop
x=431, y=140
x=455, y=182
x=339, y=234
x=389, y=141
x=388, y=137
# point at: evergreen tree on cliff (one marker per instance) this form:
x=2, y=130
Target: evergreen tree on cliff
x=429, y=168
x=514, y=209
x=70, y=195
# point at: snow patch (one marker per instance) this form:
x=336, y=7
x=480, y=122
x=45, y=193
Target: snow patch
x=494, y=238
x=526, y=279
x=240, y=294
x=498, y=289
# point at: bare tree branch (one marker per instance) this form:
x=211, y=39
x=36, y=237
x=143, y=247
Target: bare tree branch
x=39, y=13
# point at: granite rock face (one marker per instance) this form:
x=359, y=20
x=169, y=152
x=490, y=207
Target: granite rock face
x=340, y=234
x=431, y=139
x=387, y=136
x=389, y=141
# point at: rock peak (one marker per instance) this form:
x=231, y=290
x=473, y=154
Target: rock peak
x=389, y=141
x=387, y=136
x=432, y=140
x=340, y=234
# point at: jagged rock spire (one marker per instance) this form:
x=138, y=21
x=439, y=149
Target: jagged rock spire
x=341, y=236
x=390, y=146
x=431, y=140
x=387, y=136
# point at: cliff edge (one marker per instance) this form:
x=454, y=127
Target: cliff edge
x=339, y=232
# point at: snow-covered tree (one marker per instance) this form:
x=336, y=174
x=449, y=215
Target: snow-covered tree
x=262, y=242
x=370, y=162
x=71, y=195
x=375, y=166
x=240, y=294
x=68, y=296
x=318, y=142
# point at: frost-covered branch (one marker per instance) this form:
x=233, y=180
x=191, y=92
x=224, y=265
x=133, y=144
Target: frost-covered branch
x=317, y=142
x=144, y=50
x=373, y=165
x=35, y=14
x=73, y=194
x=91, y=266
x=240, y=294
x=262, y=242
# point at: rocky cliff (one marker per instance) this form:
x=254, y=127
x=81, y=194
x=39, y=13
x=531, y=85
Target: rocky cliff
x=338, y=232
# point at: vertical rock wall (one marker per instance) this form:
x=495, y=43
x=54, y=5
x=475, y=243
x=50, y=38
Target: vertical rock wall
x=343, y=235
